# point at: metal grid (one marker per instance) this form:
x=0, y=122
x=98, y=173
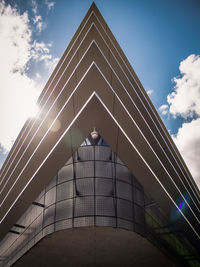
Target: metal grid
x=94, y=187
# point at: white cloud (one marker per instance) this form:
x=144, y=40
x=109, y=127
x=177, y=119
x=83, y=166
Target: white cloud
x=185, y=100
x=38, y=21
x=34, y=7
x=150, y=92
x=52, y=64
x=164, y=109
x=37, y=75
x=49, y=4
x=37, y=18
x=15, y=37
x=41, y=52
x=18, y=92
x=188, y=143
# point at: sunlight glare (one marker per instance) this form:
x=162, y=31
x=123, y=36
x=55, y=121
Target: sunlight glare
x=32, y=111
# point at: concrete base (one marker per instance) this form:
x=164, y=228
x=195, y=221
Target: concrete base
x=94, y=246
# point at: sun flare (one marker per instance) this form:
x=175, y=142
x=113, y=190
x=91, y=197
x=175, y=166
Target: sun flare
x=32, y=111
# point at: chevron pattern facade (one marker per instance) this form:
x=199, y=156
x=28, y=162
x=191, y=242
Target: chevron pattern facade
x=94, y=85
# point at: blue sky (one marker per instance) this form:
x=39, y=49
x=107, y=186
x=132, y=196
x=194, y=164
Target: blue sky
x=160, y=38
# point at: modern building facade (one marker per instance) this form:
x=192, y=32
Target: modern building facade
x=118, y=194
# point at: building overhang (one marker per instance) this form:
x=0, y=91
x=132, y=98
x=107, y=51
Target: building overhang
x=90, y=246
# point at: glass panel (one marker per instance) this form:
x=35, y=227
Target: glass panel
x=85, y=186
x=85, y=153
x=104, y=186
x=103, y=153
x=124, y=209
x=139, y=214
x=65, y=191
x=84, y=169
x=124, y=190
x=122, y=173
x=84, y=206
x=50, y=197
x=65, y=174
x=64, y=209
x=83, y=221
x=105, y=206
x=138, y=196
x=103, y=169
x=49, y=215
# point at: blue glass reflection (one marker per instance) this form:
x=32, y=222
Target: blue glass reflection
x=181, y=206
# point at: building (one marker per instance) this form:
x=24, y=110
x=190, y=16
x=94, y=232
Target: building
x=95, y=179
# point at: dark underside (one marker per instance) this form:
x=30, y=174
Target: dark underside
x=94, y=246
